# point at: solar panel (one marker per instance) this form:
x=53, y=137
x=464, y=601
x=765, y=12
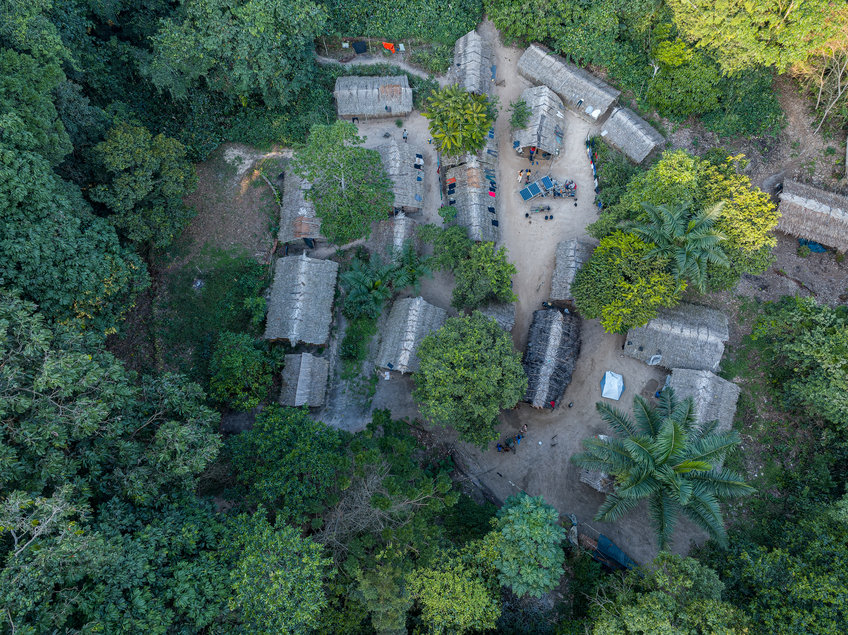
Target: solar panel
x=547, y=182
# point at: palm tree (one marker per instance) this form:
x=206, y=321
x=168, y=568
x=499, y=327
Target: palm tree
x=664, y=455
x=459, y=120
x=689, y=241
x=410, y=268
x=368, y=284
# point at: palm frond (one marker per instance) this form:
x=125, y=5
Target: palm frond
x=640, y=484
x=722, y=483
x=684, y=413
x=713, y=447
x=667, y=402
x=663, y=510
x=616, y=419
x=640, y=448
x=645, y=416
x=614, y=507
x=704, y=511
x=670, y=441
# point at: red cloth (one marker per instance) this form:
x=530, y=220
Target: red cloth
x=389, y=46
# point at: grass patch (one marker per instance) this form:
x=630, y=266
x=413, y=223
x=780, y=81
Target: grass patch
x=216, y=291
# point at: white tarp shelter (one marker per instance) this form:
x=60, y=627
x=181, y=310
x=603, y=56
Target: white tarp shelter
x=612, y=385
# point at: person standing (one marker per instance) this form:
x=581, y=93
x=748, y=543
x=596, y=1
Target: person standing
x=405, y=136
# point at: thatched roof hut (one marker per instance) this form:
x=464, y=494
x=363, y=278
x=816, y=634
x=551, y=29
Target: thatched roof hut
x=304, y=380
x=714, y=398
x=581, y=92
x=632, y=135
x=503, y=314
x=373, y=96
x=545, y=128
x=570, y=256
x=552, y=349
x=473, y=59
x=392, y=234
x=410, y=321
x=470, y=189
x=297, y=215
x=300, y=304
x=687, y=336
x=814, y=214
x=406, y=170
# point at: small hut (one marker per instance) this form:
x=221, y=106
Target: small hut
x=686, y=336
x=503, y=314
x=552, y=349
x=632, y=135
x=470, y=188
x=714, y=398
x=473, y=64
x=392, y=234
x=304, y=380
x=582, y=92
x=545, y=128
x=372, y=97
x=410, y=321
x=570, y=256
x=297, y=215
x=815, y=214
x=405, y=166
x=300, y=304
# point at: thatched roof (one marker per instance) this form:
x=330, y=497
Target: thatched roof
x=552, y=349
x=304, y=380
x=814, y=214
x=392, y=234
x=297, y=215
x=410, y=321
x=570, y=256
x=582, y=92
x=300, y=305
x=373, y=96
x=687, y=336
x=628, y=132
x=469, y=190
x=503, y=314
x=472, y=64
x=407, y=180
x=546, y=126
x=714, y=398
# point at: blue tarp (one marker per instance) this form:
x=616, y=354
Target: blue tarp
x=608, y=548
x=815, y=247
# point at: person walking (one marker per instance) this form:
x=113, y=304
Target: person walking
x=405, y=136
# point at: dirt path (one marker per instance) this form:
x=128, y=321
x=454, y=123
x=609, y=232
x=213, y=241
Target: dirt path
x=396, y=60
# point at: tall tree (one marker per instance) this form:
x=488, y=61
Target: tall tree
x=243, y=48
x=350, y=188
x=278, y=577
x=689, y=242
x=665, y=455
x=468, y=373
x=53, y=248
x=530, y=556
x=668, y=596
x=459, y=120
x=622, y=286
x=143, y=181
x=744, y=34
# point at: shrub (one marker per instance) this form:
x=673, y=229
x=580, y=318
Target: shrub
x=520, y=114
x=241, y=376
x=484, y=277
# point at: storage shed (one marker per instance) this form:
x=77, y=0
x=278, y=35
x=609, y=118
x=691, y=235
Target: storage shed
x=632, y=135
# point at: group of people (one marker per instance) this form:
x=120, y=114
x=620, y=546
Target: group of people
x=512, y=443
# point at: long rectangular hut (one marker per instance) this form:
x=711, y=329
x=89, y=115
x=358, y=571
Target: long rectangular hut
x=632, y=135
x=300, y=304
x=297, y=215
x=391, y=235
x=545, y=128
x=581, y=92
x=815, y=214
x=552, y=350
x=473, y=64
x=686, y=336
x=410, y=321
x=372, y=97
x=304, y=381
x=405, y=166
x=470, y=188
x=714, y=398
x=570, y=256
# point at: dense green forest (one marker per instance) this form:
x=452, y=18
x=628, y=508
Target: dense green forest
x=124, y=509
